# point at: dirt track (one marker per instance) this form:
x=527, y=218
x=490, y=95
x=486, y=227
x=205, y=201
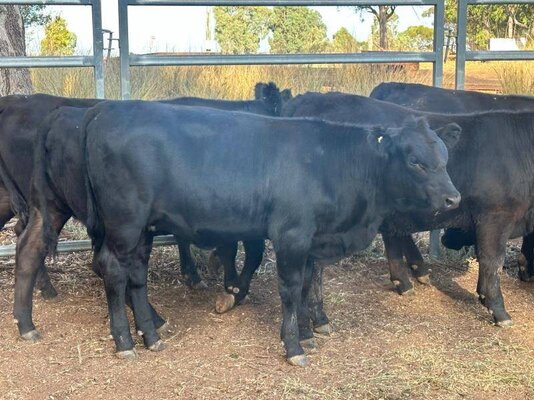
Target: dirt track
x=436, y=344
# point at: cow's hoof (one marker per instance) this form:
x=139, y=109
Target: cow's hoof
x=165, y=329
x=129, y=355
x=158, y=346
x=48, y=292
x=32, y=336
x=402, y=288
x=224, y=302
x=325, y=329
x=309, y=343
x=408, y=292
x=200, y=285
x=425, y=279
x=507, y=323
x=298, y=361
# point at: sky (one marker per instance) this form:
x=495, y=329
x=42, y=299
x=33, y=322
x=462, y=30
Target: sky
x=174, y=28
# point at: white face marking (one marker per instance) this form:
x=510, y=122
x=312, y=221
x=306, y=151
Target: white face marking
x=380, y=138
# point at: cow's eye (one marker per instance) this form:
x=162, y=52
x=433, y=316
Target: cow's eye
x=415, y=163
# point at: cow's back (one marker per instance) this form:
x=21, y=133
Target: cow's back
x=434, y=99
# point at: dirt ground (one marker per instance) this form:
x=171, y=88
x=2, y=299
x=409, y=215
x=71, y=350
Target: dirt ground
x=436, y=344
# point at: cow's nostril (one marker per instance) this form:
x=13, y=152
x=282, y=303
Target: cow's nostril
x=452, y=201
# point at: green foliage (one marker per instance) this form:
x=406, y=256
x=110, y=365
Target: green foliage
x=297, y=30
x=35, y=15
x=416, y=38
x=381, y=29
x=487, y=21
x=344, y=42
x=239, y=30
x=58, y=40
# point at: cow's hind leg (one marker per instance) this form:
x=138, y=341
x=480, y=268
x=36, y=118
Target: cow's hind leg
x=304, y=322
x=115, y=275
x=226, y=254
x=31, y=253
x=321, y=323
x=414, y=259
x=492, y=232
x=142, y=310
x=188, y=268
x=291, y=271
x=526, y=259
x=398, y=273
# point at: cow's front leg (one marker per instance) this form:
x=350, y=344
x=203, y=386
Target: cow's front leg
x=188, y=267
x=321, y=323
x=492, y=232
x=398, y=272
x=414, y=259
x=526, y=259
x=226, y=254
x=44, y=284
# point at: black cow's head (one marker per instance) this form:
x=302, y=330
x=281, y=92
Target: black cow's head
x=415, y=175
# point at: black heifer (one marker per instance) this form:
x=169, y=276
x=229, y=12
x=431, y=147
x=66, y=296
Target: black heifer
x=20, y=118
x=318, y=190
x=429, y=98
x=491, y=166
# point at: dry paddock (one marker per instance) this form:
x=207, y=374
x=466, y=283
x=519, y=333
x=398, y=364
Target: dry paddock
x=436, y=344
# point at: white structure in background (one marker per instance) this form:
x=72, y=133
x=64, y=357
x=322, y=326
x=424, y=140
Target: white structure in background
x=501, y=44
x=210, y=44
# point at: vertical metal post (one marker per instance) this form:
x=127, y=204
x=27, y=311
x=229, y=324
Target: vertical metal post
x=124, y=49
x=461, y=43
x=439, y=37
x=98, y=49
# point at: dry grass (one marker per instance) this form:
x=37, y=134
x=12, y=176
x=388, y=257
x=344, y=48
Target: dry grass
x=229, y=82
x=517, y=77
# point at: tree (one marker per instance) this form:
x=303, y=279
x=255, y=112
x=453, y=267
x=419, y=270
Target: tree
x=239, y=29
x=35, y=15
x=382, y=15
x=416, y=38
x=58, y=40
x=487, y=21
x=13, y=80
x=297, y=30
x=344, y=42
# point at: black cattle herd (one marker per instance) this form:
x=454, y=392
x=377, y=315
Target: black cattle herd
x=320, y=175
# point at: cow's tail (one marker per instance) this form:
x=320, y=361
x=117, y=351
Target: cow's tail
x=270, y=94
x=95, y=228
x=19, y=205
x=41, y=188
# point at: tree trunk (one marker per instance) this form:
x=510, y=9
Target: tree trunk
x=13, y=80
x=383, y=27
x=510, y=30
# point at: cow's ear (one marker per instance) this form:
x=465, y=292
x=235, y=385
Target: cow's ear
x=286, y=94
x=381, y=140
x=450, y=134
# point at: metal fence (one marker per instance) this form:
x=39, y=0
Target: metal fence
x=128, y=60
x=463, y=55
x=95, y=61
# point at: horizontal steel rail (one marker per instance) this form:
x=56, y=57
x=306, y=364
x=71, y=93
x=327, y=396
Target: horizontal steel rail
x=71, y=246
x=463, y=55
x=96, y=60
x=127, y=60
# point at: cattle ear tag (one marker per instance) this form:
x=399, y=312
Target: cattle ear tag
x=380, y=138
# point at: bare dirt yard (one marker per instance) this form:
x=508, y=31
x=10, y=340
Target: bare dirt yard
x=437, y=344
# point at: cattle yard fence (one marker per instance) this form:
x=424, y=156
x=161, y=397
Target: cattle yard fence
x=95, y=60
x=463, y=55
x=128, y=60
